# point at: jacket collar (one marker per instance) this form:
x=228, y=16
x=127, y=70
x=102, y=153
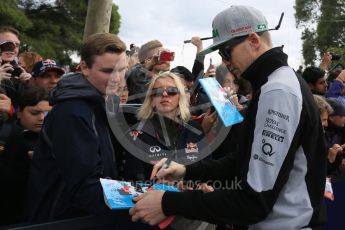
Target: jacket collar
x=257, y=73
x=153, y=128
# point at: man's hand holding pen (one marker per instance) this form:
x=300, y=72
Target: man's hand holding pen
x=167, y=170
x=148, y=206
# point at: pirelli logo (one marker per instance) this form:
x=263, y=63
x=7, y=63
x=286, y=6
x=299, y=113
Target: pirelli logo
x=272, y=135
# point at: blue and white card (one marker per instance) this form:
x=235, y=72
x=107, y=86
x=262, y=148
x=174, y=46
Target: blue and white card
x=226, y=110
x=119, y=194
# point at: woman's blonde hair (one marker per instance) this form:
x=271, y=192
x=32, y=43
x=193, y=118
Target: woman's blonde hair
x=323, y=105
x=146, y=111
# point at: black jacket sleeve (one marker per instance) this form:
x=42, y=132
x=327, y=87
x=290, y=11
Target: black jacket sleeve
x=76, y=149
x=198, y=65
x=223, y=168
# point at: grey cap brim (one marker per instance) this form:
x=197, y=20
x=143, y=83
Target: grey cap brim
x=217, y=45
x=213, y=47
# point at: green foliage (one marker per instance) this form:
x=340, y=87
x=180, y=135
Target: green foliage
x=324, y=27
x=12, y=14
x=54, y=29
x=115, y=20
x=308, y=46
x=304, y=11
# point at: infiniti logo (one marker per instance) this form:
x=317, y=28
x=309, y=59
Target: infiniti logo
x=155, y=149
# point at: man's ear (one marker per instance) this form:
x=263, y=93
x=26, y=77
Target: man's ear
x=84, y=68
x=254, y=40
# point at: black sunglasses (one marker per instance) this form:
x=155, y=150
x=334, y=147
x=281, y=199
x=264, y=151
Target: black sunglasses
x=225, y=50
x=158, y=92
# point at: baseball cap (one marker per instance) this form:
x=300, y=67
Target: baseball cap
x=235, y=21
x=338, y=107
x=42, y=67
x=6, y=45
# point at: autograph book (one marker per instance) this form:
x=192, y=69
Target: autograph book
x=225, y=108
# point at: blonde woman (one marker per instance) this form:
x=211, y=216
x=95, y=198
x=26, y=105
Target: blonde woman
x=165, y=128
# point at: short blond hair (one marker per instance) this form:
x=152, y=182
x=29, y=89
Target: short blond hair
x=266, y=36
x=146, y=111
x=145, y=50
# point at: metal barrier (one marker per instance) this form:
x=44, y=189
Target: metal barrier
x=119, y=220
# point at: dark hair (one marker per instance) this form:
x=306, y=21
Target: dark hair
x=4, y=29
x=311, y=74
x=244, y=86
x=132, y=50
x=98, y=44
x=31, y=97
x=183, y=72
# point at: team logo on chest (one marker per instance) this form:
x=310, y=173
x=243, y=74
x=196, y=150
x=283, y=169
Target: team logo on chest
x=191, y=148
x=135, y=133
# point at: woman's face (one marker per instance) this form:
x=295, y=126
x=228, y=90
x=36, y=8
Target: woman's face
x=165, y=98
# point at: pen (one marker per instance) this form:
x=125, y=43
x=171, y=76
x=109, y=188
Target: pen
x=164, y=166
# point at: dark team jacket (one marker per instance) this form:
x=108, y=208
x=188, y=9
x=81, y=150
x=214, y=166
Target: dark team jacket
x=74, y=150
x=184, y=142
x=14, y=173
x=137, y=82
x=279, y=174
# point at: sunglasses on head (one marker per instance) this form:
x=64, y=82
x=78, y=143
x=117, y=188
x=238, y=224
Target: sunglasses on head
x=158, y=92
x=225, y=50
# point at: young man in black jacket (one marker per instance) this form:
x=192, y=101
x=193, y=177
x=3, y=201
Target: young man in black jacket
x=280, y=169
x=75, y=149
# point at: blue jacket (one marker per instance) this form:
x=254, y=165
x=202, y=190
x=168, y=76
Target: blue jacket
x=74, y=150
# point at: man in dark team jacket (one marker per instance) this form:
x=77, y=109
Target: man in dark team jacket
x=281, y=169
x=75, y=148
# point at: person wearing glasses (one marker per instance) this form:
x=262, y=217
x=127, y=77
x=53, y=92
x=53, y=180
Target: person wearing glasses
x=279, y=168
x=165, y=127
x=10, y=34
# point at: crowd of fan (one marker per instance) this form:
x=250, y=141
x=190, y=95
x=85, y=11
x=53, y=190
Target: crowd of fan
x=27, y=78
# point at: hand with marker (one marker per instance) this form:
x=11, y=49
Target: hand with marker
x=168, y=172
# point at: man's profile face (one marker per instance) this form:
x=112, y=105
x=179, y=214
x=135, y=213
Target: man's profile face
x=241, y=58
x=107, y=69
x=320, y=87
